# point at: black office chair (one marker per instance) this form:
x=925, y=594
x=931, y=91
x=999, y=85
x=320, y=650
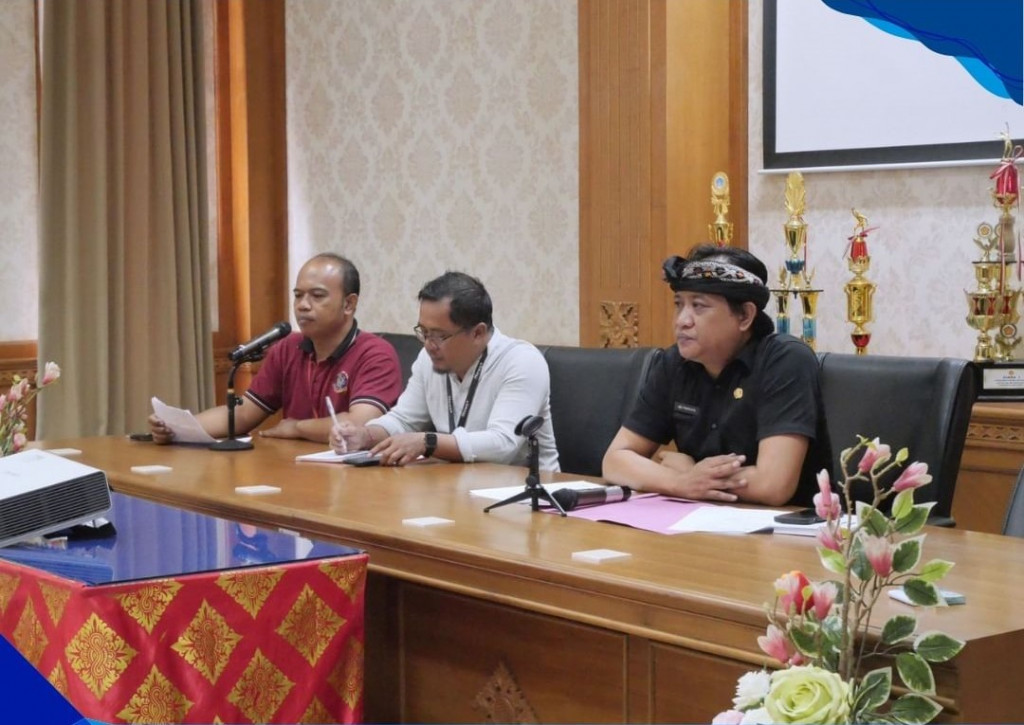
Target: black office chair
x=592, y=391
x=923, y=404
x=408, y=348
x=1013, y=524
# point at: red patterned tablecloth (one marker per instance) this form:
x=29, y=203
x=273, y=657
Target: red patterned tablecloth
x=271, y=644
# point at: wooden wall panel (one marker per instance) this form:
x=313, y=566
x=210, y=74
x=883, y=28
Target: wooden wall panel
x=663, y=87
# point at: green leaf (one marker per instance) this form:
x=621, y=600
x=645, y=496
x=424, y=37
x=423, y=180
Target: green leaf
x=804, y=640
x=899, y=627
x=902, y=454
x=915, y=673
x=914, y=709
x=937, y=647
x=923, y=593
x=832, y=560
x=872, y=692
x=877, y=524
x=934, y=570
x=903, y=504
x=915, y=521
x=907, y=554
x=860, y=565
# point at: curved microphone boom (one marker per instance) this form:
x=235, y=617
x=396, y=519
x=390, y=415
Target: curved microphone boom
x=255, y=348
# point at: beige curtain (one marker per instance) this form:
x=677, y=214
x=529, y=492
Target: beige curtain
x=124, y=306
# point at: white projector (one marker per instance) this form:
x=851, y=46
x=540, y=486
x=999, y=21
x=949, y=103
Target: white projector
x=41, y=492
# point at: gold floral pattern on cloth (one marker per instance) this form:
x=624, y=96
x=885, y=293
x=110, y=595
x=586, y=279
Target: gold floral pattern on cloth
x=250, y=589
x=207, y=642
x=146, y=605
x=310, y=625
x=260, y=690
x=98, y=655
x=347, y=677
x=348, y=575
x=8, y=585
x=56, y=599
x=316, y=713
x=156, y=700
x=59, y=679
x=29, y=635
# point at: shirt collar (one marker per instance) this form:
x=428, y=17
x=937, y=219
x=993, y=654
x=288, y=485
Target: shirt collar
x=306, y=345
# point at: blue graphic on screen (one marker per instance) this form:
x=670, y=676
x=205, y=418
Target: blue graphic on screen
x=985, y=36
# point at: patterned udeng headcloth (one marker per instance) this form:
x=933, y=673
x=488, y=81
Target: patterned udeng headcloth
x=717, y=277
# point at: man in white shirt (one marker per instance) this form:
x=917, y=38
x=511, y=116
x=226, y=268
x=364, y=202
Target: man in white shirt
x=470, y=387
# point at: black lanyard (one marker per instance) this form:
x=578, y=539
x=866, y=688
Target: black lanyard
x=469, y=395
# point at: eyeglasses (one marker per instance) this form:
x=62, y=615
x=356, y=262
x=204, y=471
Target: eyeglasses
x=434, y=338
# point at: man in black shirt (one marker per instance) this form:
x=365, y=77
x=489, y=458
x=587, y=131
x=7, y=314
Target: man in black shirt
x=742, y=403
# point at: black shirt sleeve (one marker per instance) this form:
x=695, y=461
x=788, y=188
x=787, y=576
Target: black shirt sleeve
x=651, y=416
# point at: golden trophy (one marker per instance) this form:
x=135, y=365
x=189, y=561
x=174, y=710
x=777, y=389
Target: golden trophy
x=994, y=306
x=859, y=290
x=720, y=230
x=794, y=277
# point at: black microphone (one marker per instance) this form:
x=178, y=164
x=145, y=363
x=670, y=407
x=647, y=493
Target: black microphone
x=256, y=346
x=570, y=498
x=529, y=425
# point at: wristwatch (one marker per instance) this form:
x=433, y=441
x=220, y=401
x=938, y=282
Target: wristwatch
x=429, y=444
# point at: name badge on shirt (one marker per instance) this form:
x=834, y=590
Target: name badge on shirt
x=684, y=410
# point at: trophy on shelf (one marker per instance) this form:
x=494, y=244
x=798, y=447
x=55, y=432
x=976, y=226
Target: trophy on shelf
x=794, y=277
x=720, y=230
x=993, y=308
x=859, y=290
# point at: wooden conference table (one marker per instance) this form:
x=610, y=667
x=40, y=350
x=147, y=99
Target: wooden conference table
x=489, y=618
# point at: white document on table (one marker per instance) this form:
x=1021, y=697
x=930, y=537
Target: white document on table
x=727, y=520
x=331, y=457
x=182, y=423
x=503, y=492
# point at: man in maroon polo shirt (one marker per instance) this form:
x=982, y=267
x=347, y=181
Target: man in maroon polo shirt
x=330, y=358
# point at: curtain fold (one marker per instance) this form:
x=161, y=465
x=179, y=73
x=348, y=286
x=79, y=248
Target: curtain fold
x=124, y=301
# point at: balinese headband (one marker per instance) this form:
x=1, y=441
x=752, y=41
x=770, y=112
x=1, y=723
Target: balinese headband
x=716, y=277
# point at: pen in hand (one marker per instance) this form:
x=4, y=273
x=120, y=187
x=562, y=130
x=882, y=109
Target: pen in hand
x=337, y=424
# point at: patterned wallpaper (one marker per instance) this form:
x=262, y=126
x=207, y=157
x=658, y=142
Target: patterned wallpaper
x=427, y=135
x=920, y=256
x=19, y=201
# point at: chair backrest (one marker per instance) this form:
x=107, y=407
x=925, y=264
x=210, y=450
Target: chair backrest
x=592, y=391
x=408, y=348
x=1013, y=524
x=920, y=403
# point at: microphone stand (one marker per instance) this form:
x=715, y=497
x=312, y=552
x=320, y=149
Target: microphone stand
x=533, y=491
x=231, y=443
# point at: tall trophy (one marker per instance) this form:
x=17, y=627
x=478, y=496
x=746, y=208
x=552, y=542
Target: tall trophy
x=859, y=290
x=720, y=230
x=993, y=307
x=794, y=277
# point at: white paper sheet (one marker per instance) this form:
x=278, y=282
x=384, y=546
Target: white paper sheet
x=727, y=520
x=500, y=494
x=182, y=423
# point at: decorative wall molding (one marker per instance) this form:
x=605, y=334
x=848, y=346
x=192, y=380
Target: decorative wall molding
x=620, y=324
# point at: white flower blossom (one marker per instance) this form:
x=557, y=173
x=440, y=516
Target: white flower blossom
x=751, y=689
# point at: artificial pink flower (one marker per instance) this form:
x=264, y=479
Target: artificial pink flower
x=774, y=644
x=824, y=595
x=829, y=539
x=790, y=589
x=875, y=454
x=914, y=475
x=879, y=551
x=729, y=717
x=826, y=503
x=19, y=442
x=50, y=373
